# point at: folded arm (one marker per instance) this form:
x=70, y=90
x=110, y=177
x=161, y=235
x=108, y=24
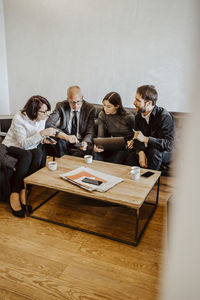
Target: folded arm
x=163, y=137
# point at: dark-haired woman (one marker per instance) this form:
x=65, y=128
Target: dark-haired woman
x=114, y=121
x=24, y=141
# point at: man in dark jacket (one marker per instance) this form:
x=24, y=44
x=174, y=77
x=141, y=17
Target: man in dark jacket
x=154, y=131
x=74, y=119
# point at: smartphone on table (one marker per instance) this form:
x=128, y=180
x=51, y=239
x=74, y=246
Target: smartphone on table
x=147, y=174
x=91, y=181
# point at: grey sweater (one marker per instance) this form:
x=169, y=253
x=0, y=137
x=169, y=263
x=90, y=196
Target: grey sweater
x=116, y=125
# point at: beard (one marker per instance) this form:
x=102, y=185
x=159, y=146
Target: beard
x=141, y=110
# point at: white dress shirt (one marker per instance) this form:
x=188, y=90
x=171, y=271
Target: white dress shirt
x=24, y=133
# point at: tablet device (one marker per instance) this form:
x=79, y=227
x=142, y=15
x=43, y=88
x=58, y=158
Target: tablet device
x=110, y=143
x=78, y=145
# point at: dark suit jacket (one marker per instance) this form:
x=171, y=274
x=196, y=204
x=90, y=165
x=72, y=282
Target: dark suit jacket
x=59, y=118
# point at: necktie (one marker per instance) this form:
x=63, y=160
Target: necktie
x=74, y=124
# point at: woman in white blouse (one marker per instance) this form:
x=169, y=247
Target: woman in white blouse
x=24, y=141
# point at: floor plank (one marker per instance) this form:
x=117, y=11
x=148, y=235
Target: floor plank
x=39, y=260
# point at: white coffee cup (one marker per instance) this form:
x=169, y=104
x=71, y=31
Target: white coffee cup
x=88, y=159
x=52, y=165
x=135, y=173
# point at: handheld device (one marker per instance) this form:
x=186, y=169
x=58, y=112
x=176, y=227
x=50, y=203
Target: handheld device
x=50, y=140
x=78, y=145
x=110, y=143
x=91, y=181
x=147, y=174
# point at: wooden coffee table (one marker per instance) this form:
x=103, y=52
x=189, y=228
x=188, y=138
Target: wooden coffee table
x=129, y=193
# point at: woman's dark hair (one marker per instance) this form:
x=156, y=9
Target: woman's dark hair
x=148, y=93
x=115, y=99
x=33, y=105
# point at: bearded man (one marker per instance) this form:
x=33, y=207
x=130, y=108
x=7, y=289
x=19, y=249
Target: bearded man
x=154, y=131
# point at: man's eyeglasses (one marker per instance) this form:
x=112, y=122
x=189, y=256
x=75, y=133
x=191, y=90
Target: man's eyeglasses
x=46, y=112
x=75, y=102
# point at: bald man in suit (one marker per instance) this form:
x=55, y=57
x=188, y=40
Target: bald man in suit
x=74, y=118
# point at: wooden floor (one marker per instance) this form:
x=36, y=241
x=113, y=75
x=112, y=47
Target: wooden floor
x=43, y=261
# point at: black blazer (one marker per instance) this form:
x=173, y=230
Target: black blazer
x=59, y=118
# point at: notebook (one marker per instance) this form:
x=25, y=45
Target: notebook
x=110, y=143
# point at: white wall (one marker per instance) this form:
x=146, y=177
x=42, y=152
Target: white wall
x=182, y=272
x=101, y=45
x=4, y=93
x=181, y=278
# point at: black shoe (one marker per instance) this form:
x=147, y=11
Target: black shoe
x=17, y=213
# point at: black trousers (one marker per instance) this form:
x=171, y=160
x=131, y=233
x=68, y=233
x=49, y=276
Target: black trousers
x=65, y=148
x=155, y=158
x=29, y=161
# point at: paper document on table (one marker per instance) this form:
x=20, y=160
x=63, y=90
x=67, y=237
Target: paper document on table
x=91, y=180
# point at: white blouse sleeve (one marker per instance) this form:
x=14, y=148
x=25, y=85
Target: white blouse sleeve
x=23, y=135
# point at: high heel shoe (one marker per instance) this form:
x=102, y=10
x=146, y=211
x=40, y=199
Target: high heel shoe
x=29, y=208
x=16, y=213
x=23, y=200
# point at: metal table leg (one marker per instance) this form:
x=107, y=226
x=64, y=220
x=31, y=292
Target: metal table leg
x=137, y=236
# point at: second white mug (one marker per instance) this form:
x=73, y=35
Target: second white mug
x=52, y=165
x=135, y=173
x=88, y=159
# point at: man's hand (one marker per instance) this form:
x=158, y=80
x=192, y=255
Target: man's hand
x=140, y=137
x=48, y=131
x=84, y=146
x=130, y=144
x=72, y=139
x=142, y=159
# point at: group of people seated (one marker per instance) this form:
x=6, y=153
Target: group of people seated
x=70, y=130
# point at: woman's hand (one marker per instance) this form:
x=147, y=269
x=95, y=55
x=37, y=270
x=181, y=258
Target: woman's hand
x=49, y=141
x=98, y=149
x=48, y=131
x=130, y=144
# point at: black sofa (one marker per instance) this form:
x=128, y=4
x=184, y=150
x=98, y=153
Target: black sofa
x=5, y=172
x=179, y=118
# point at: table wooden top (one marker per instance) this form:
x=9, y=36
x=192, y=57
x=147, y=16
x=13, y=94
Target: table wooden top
x=128, y=192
